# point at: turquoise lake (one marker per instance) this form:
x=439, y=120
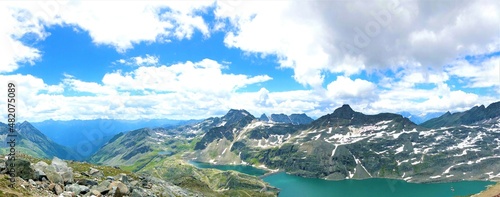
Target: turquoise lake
x=291, y=185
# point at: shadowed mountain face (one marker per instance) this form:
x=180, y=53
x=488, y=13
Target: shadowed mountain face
x=473, y=115
x=32, y=142
x=295, y=119
x=345, y=116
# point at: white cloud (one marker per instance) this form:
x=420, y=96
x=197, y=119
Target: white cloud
x=347, y=37
x=135, y=21
x=117, y=24
x=484, y=74
x=147, y=60
x=204, y=76
x=89, y=87
x=345, y=88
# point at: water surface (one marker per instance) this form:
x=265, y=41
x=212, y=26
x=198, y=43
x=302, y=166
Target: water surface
x=296, y=186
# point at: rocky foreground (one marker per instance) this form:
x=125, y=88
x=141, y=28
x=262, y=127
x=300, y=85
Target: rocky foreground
x=36, y=177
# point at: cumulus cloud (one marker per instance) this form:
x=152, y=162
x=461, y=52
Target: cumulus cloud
x=347, y=37
x=203, y=76
x=404, y=43
x=479, y=75
x=128, y=23
x=345, y=88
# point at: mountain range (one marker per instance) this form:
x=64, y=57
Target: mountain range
x=86, y=137
x=344, y=144
x=420, y=118
x=32, y=142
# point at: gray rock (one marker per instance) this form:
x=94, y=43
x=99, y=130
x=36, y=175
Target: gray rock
x=39, y=174
x=58, y=189
x=84, y=189
x=60, y=165
x=95, y=173
x=67, y=177
x=75, y=188
x=23, y=168
x=140, y=192
x=122, y=177
x=102, y=187
x=41, y=165
x=87, y=182
x=94, y=192
x=121, y=189
x=54, y=177
x=134, y=183
x=67, y=194
x=110, y=178
x=33, y=183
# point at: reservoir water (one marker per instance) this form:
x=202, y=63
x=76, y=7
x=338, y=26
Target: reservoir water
x=291, y=185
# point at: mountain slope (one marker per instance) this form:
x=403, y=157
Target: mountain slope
x=32, y=142
x=136, y=148
x=470, y=116
x=91, y=135
x=347, y=144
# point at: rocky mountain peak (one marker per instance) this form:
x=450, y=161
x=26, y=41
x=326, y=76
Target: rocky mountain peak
x=264, y=117
x=345, y=112
x=236, y=115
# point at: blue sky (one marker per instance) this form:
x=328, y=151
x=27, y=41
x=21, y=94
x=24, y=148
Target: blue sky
x=183, y=60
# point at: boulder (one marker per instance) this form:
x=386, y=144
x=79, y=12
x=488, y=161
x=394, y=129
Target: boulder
x=67, y=177
x=67, y=194
x=58, y=189
x=94, y=192
x=60, y=165
x=140, y=192
x=95, y=173
x=84, y=189
x=87, y=182
x=54, y=177
x=40, y=175
x=22, y=168
x=119, y=188
x=122, y=177
x=75, y=188
x=41, y=165
x=102, y=187
x=62, y=168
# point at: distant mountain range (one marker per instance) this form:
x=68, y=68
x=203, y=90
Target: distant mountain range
x=419, y=119
x=471, y=116
x=295, y=119
x=344, y=144
x=32, y=142
x=86, y=136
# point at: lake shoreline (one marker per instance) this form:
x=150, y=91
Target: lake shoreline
x=276, y=171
